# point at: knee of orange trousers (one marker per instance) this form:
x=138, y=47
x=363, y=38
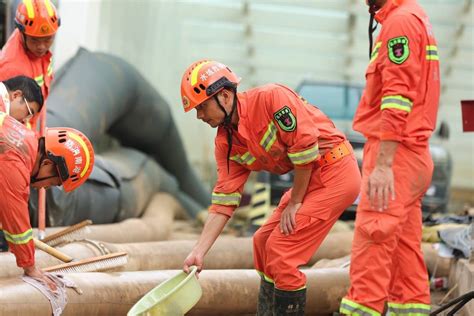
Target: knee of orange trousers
x=259, y=253
x=286, y=276
x=282, y=267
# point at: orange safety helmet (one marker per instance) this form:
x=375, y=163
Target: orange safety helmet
x=203, y=79
x=72, y=153
x=37, y=18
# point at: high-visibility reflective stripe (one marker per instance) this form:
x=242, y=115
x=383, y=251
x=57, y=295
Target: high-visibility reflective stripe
x=50, y=67
x=49, y=8
x=375, y=52
x=39, y=80
x=432, y=52
x=306, y=156
x=352, y=308
x=19, y=239
x=269, y=137
x=396, y=102
x=410, y=309
x=194, y=74
x=226, y=199
x=29, y=8
x=298, y=289
x=265, y=277
x=245, y=159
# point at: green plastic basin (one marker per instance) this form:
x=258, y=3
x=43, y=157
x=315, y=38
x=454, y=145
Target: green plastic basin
x=176, y=296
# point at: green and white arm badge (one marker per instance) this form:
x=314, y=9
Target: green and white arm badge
x=398, y=49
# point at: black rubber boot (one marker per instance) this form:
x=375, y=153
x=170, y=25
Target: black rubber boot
x=265, y=299
x=289, y=303
x=3, y=242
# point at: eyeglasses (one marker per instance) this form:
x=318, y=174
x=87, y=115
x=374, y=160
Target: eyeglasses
x=30, y=113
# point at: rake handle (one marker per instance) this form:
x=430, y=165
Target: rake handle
x=67, y=230
x=82, y=262
x=51, y=251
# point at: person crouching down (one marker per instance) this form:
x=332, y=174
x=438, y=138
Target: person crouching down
x=63, y=157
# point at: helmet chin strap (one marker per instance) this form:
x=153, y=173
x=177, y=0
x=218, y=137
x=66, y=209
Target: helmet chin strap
x=227, y=124
x=41, y=151
x=372, y=9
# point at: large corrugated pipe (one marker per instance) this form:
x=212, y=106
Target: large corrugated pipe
x=105, y=97
x=226, y=253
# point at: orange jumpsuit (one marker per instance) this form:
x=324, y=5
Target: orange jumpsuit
x=15, y=60
x=18, y=150
x=278, y=132
x=5, y=99
x=400, y=103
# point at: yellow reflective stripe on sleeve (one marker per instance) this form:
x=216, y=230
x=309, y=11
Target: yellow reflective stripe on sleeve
x=375, y=52
x=245, y=159
x=29, y=8
x=226, y=199
x=396, y=102
x=28, y=124
x=305, y=156
x=432, y=52
x=352, y=308
x=269, y=137
x=50, y=67
x=19, y=239
x=409, y=309
x=39, y=80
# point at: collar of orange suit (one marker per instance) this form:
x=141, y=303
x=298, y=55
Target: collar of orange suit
x=242, y=112
x=388, y=8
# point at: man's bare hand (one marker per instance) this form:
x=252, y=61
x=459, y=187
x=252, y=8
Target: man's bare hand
x=381, y=187
x=35, y=272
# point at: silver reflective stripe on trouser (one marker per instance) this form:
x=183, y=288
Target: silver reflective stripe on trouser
x=396, y=102
x=409, y=309
x=349, y=307
x=226, y=199
x=19, y=239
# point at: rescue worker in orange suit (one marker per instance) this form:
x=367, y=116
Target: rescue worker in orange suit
x=271, y=128
x=21, y=98
x=63, y=157
x=27, y=51
x=397, y=115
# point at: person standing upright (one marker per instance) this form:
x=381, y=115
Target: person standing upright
x=397, y=114
x=27, y=51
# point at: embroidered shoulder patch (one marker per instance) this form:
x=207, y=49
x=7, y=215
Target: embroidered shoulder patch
x=285, y=118
x=398, y=50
